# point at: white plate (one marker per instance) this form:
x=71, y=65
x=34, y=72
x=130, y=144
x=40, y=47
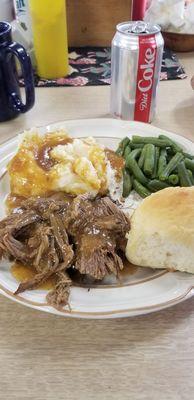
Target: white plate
x=144, y=291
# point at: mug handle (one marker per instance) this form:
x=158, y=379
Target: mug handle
x=27, y=72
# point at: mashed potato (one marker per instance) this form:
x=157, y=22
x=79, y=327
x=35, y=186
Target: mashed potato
x=80, y=167
x=56, y=162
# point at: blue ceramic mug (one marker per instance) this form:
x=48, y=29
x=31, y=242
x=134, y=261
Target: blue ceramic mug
x=10, y=99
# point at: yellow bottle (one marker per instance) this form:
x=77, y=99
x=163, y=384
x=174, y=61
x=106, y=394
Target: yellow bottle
x=50, y=37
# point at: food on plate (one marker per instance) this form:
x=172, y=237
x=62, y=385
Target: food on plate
x=54, y=161
x=59, y=235
x=162, y=231
x=70, y=205
x=154, y=163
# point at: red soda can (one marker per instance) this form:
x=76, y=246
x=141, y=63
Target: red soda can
x=136, y=57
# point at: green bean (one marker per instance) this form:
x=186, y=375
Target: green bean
x=191, y=176
x=171, y=166
x=171, y=143
x=155, y=185
x=127, y=151
x=140, y=189
x=122, y=145
x=189, y=164
x=133, y=167
x=184, y=175
x=149, y=140
x=142, y=158
x=162, y=162
x=134, y=154
x=137, y=145
x=149, y=159
x=173, y=179
x=127, y=184
x=187, y=155
x=155, y=170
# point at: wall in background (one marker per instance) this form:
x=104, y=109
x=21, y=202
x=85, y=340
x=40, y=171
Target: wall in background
x=93, y=22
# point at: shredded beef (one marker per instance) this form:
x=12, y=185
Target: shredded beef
x=59, y=296
x=35, y=235
x=97, y=227
x=96, y=256
x=53, y=234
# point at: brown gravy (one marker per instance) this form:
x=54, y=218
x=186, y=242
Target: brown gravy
x=23, y=273
x=42, y=155
x=116, y=162
x=129, y=268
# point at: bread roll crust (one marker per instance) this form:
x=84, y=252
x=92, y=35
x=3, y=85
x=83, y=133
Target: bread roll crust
x=162, y=231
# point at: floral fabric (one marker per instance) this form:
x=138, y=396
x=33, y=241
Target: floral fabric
x=91, y=66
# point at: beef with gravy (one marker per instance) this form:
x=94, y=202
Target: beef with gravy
x=57, y=234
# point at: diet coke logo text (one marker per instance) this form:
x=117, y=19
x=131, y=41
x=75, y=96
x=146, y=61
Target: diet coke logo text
x=145, y=75
x=145, y=84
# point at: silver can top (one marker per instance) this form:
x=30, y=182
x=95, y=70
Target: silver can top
x=137, y=28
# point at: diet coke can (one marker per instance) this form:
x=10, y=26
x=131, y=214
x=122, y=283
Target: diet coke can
x=136, y=58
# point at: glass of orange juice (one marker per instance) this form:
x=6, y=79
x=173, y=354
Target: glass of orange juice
x=49, y=28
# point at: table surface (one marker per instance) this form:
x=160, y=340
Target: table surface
x=148, y=357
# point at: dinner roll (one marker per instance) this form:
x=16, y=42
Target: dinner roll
x=162, y=231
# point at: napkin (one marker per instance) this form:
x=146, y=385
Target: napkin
x=172, y=15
